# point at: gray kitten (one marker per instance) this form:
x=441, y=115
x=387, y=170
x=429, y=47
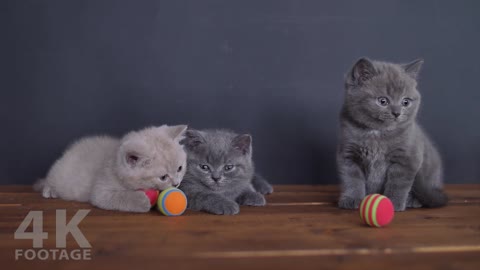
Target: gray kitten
x=110, y=173
x=220, y=172
x=382, y=148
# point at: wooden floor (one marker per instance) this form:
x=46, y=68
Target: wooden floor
x=301, y=228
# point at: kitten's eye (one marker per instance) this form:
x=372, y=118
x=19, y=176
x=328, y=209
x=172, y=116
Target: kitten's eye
x=179, y=169
x=204, y=167
x=228, y=168
x=163, y=177
x=383, y=101
x=406, y=102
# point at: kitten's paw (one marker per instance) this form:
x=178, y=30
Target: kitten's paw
x=224, y=208
x=413, y=202
x=398, y=200
x=48, y=193
x=252, y=199
x=264, y=188
x=349, y=203
x=138, y=203
x=399, y=206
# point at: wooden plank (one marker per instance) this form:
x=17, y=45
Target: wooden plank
x=301, y=225
x=334, y=252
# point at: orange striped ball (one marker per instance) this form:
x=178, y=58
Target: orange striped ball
x=172, y=202
x=376, y=210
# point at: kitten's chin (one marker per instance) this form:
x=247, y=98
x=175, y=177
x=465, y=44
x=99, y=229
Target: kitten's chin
x=163, y=186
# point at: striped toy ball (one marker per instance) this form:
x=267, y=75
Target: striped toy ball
x=152, y=195
x=172, y=202
x=376, y=210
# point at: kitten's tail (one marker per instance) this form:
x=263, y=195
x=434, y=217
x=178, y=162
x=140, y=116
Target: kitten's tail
x=38, y=186
x=429, y=196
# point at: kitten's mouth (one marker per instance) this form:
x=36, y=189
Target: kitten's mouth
x=390, y=119
x=400, y=119
x=216, y=186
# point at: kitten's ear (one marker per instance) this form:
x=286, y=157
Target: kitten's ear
x=362, y=71
x=243, y=143
x=134, y=153
x=413, y=68
x=132, y=159
x=176, y=132
x=193, y=138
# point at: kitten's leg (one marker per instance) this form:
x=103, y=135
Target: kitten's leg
x=376, y=179
x=427, y=187
x=398, y=185
x=353, y=184
x=212, y=203
x=261, y=185
x=123, y=200
x=251, y=198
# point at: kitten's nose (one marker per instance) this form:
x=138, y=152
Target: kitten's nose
x=396, y=114
x=215, y=178
x=175, y=183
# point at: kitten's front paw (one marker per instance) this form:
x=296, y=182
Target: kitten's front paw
x=139, y=203
x=398, y=206
x=398, y=200
x=252, y=199
x=349, y=203
x=224, y=208
x=413, y=202
x=48, y=192
x=264, y=188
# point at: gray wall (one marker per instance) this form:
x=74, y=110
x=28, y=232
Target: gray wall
x=271, y=68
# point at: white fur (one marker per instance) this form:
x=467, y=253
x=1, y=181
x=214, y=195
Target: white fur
x=97, y=169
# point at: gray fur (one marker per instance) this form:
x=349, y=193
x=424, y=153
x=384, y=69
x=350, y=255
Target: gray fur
x=216, y=190
x=382, y=148
x=110, y=173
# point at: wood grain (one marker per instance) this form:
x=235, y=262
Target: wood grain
x=300, y=228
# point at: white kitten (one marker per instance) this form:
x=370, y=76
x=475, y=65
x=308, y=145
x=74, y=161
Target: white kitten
x=110, y=173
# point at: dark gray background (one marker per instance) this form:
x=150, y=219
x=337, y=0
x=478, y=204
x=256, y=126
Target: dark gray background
x=271, y=68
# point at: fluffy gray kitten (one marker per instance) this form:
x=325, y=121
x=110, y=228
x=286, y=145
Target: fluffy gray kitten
x=220, y=172
x=382, y=148
x=111, y=173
